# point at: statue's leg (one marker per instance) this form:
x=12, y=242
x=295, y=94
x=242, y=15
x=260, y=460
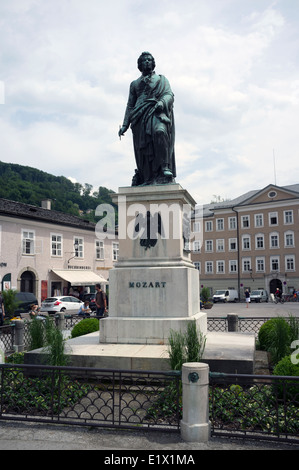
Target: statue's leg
x=161, y=144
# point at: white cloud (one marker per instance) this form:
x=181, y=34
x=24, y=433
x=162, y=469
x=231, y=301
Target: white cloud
x=233, y=67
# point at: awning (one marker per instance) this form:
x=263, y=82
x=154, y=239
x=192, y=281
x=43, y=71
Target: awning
x=79, y=278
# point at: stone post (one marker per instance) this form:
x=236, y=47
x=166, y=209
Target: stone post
x=195, y=425
x=232, y=322
x=19, y=336
x=60, y=321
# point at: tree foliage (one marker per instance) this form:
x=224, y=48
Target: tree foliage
x=30, y=186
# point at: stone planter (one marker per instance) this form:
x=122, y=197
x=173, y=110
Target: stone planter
x=208, y=305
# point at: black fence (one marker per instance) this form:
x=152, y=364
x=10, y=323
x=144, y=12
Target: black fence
x=244, y=324
x=247, y=406
x=252, y=406
x=7, y=334
x=90, y=397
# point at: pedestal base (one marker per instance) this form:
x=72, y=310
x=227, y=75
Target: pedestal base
x=148, y=330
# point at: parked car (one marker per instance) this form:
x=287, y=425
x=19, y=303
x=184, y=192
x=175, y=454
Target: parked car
x=25, y=300
x=60, y=304
x=91, y=299
x=225, y=295
x=259, y=295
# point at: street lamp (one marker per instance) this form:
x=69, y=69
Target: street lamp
x=76, y=247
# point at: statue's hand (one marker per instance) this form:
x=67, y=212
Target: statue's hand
x=159, y=106
x=122, y=131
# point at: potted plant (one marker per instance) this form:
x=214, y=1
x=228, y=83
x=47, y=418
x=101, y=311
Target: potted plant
x=205, y=298
x=10, y=302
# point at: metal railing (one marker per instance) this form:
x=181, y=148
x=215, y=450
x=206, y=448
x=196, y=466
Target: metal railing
x=7, y=338
x=90, y=397
x=244, y=324
x=252, y=406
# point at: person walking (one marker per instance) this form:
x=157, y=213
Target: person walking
x=100, y=301
x=247, y=298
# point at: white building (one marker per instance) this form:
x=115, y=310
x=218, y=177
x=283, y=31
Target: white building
x=48, y=252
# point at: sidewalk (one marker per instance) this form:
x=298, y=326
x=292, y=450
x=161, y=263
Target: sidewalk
x=31, y=436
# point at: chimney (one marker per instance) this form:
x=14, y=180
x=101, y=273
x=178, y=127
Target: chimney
x=46, y=204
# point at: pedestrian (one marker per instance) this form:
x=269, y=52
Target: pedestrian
x=2, y=312
x=84, y=310
x=247, y=297
x=100, y=301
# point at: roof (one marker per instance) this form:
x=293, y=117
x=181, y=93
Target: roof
x=245, y=198
x=27, y=211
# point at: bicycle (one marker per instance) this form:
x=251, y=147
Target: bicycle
x=279, y=299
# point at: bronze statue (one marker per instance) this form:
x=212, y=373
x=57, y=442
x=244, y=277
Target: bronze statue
x=150, y=113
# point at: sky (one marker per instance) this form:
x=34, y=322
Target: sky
x=233, y=66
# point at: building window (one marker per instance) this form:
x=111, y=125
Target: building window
x=260, y=265
x=220, y=267
x=259, y=242
x=232, y=244
x=209, y=226
x=28, y=238
x=288, y=217
x=233, y=266
x=115, y=250
x=289, y=239
x=232, y=223
x=274, y=263
x=274, y=240
x=259, y=220
x=209, y=267
x=245, y=221
x=100, y=253
x=197, y=265
x=219, y=225
x=79, y=243
x=245, y=242
x=196, y=227
x=56, y=244
x=196, y=246
x=273, y=218
x=209, y=245
x=220, y=244
x=290, y=263
x=246, y=264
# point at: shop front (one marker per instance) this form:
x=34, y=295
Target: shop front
x=75, y=282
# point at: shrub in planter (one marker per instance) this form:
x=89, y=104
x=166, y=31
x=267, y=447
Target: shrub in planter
x=89, y=325
x=275, y=336
x=286, y=367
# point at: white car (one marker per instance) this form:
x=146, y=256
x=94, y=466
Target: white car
x=60, y=304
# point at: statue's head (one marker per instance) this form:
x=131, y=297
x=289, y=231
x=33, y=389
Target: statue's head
x=141, y=58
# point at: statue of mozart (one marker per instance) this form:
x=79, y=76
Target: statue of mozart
x=149, y=112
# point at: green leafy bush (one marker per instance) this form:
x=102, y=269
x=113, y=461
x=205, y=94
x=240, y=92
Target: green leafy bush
x=275, y=336
x=205, y=294
x=287, y=388
x=88, y=325
x=286, y=367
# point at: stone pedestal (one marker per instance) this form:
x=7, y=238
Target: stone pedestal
x=154, y=286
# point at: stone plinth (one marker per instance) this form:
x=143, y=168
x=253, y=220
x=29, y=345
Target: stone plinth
x=154, y=286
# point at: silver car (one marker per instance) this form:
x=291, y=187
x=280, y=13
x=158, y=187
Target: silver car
x=259, y=295
x=60, y=304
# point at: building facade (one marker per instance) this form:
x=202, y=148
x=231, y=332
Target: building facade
x=251, y=242
x=51, y=253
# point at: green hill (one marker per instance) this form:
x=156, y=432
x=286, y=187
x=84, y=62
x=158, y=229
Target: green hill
x=30, y=186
